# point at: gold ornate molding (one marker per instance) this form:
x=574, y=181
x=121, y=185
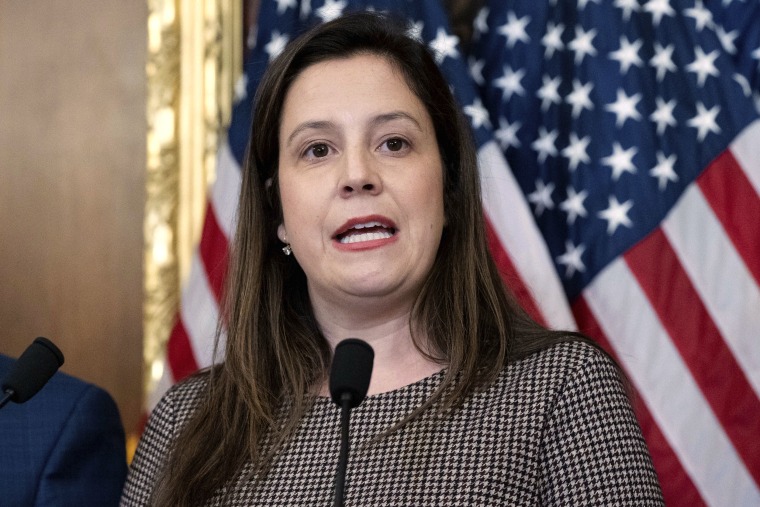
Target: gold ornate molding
x=194, y=58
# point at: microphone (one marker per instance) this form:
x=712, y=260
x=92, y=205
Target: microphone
x=349, y=380
x=31, y=371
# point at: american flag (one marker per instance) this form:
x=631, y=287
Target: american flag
x=619, y=148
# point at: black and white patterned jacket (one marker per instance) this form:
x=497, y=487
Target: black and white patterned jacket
x=556, y=428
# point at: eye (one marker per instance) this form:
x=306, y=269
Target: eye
x=396, y=144
x=316, y=150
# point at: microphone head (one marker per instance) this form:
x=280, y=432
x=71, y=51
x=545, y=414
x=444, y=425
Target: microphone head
x=33, y=369
x=351, y=371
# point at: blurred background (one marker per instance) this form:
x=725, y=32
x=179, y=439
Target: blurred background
x=72, y=186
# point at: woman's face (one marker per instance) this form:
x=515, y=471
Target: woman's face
x=361, y=182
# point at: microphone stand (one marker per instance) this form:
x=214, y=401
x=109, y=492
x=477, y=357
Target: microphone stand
x=7, y=395
x=340, y=475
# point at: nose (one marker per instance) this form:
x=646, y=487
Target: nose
x=359, y=175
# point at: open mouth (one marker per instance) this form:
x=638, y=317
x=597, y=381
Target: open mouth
x=365, y=231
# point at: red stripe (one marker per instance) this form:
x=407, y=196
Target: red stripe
x=510, y=275
x=179, y=353
x=213, y=252
x=677, y=487
x=737, y=206
x=694, y=334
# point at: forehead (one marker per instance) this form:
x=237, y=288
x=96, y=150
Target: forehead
x=360, y=82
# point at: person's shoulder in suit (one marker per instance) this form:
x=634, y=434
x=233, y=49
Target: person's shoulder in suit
x=64, y=446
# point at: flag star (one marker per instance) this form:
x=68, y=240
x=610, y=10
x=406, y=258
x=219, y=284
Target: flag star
x=664, y=171
x=283, y=5
x=704, y=121
x=542, y=197
x=616, y=215
x=744, y=84
x=583, y=44
x=571, y=259
x=701, y=16
x=545, y=144
x=332, y=9
x=305, y=9
x=663, y=60
x=514, y=29
x=478, y=114
x=575, y=152
x=509, y=82
x=241, y=88
x=627, y=55
x=415, y=30
x=621, y=161
x=756, y=54
x=663, y=115
x=444, y=45
x=573, y=205
x=727, y=39
x=276, y=44
x=627, y=6
x=476, y=70
x=480, y=24
x=552, y=40
x=658, y=9
x=624, y=107
x=703, y=65
x=579, y=98
x=507, y=134
x=549, y=92
x=582, y=3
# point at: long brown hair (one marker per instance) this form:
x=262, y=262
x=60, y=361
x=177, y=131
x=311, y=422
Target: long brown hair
x=274, y=349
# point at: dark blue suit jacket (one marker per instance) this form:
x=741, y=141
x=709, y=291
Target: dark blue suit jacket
x=65, y=446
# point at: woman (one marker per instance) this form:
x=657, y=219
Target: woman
x=360, y=216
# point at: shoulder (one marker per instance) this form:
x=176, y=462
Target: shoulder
x=166, y=421
x=66, y=439
x=564, y=363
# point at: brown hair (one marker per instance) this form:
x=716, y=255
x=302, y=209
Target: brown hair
x=275, y=352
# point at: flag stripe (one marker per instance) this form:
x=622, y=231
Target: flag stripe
x=179, y=353
x=676, y=484
x=667, y=387
x=736, y=205
x=511, y=277
x=213, y=252
x=711, y=363
x=226, y=189
x=745, y=149
x=720, y=277
x=513, y=225
x=199, y=313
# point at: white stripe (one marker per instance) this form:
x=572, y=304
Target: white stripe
x=746, y=150
x=160, y=388
x=666, y=385
x=199, y=313
x=226, y=190
x=719, y=275
x=516, y=230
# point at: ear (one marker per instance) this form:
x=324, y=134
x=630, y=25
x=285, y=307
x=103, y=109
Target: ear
x=282, y=234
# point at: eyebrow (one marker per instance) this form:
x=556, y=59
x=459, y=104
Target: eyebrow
x=328, y=125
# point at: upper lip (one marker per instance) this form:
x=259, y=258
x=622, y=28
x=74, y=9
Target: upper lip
x=369, y=220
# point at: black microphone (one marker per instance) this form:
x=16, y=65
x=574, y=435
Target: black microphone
x=349, y=380
x=31, y=371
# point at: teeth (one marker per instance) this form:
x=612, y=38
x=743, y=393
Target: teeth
x=365, y=236
x=369, y=224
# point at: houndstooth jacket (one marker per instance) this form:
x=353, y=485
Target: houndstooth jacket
x=556, y=428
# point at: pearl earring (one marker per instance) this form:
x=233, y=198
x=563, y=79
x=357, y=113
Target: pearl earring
x=287, y=250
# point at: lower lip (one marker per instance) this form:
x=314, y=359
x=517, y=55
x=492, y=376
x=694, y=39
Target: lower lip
x=365, y=245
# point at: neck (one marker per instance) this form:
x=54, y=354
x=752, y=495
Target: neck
x=397, y=361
